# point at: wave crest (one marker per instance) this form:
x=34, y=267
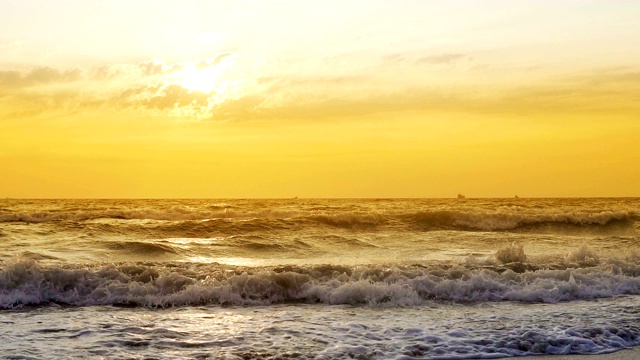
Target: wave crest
x=509, y=219
x=26, y=283
x=140, y=247
x=349, y=220
x=204, y=223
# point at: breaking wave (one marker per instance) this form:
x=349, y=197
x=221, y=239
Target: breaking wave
x=139, y=247
x=350, y=220
x=172, y=214
x=474, y=219
x=514, y=220
x=511, y=254
x=27, y=283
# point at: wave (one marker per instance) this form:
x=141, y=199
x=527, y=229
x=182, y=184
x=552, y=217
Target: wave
x=510, y=219
x=37, y=256
x=203, y=223
x=141, y=248
x=350, y=220
x=470, y=343
x=172, y=214
x=511, y=254
x=208, y=228
x=183, y=229
x=476, y=219
x=27, y=283
x=257, y=244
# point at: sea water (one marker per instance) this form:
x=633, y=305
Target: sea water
x=318, y=278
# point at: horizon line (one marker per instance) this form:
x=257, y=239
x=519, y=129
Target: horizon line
x=516, y=197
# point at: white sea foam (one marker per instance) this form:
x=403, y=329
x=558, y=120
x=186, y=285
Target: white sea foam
x=583, y=255
x=27, y=283
x=510, y=254
x=442, y=330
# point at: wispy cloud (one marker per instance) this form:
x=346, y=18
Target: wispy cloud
x=157, y=67
x=432, y=59
x=205, y=63
x=439, y=59
x=611, y=92
x=37, y=76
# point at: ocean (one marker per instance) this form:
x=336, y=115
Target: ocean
x=318, y=278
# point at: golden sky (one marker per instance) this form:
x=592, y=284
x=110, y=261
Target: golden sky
x=406, y=98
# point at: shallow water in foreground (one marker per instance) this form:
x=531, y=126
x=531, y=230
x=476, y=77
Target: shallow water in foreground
x=434, y=330
x=325, y=279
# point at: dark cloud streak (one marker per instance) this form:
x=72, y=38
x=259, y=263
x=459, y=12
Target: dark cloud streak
x=37, y=76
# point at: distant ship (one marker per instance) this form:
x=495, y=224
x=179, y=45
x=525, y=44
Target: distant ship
x=460, y=196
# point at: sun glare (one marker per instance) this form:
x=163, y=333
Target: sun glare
x=206, y=80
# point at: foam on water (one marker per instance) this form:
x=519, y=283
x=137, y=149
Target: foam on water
x=27, y=283
x=437, y=330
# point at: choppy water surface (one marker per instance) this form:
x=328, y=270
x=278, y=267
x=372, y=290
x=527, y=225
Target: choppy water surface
x=298, y=278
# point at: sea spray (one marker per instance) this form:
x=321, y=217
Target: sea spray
x=26, y=283
x=583, y=255
x=511, y=254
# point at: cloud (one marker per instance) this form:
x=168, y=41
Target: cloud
x=602, y=92
x=440, y=59
x=170, y=99
x=167, y=99
x=21, y=94
x=246, y=108
x=414, y=59
x=151, y=67
x=146, y=68
x=205, y=63
x=394, y=58
x=258, y=108
x=38, y=76
x=157, y=68
x=313, y=87
x=312, y=98
x=172, y=96
x=150, y=85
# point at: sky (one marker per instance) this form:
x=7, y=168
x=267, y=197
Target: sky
x=407, y=98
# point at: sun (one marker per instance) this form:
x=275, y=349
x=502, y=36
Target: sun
x=206, y=80
x=194, y=88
